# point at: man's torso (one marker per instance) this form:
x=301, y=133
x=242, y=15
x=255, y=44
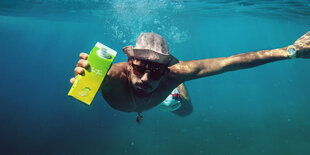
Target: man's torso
x=119, y=94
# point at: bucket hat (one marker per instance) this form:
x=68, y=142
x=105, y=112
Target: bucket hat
x=151, y=47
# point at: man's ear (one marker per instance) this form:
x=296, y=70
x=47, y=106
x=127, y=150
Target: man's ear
x=130, y=61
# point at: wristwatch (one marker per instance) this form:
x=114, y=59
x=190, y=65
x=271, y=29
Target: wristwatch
x=291, y=51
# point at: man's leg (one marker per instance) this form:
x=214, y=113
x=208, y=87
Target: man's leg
x=177, y=102
x=187, y=107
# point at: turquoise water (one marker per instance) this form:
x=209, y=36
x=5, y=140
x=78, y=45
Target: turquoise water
x=263, y=110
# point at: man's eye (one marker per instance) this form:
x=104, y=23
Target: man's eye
x=140, y=69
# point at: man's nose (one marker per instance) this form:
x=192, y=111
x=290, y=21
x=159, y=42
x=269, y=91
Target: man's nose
x=145, y=77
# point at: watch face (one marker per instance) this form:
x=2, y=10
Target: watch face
x=291, y=51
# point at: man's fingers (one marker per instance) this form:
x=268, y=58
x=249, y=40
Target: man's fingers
x=82, y=63
x=84, y=56
x=78, y=70
x=72, y=80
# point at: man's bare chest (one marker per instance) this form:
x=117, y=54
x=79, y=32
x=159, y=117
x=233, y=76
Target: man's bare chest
x=125, y=100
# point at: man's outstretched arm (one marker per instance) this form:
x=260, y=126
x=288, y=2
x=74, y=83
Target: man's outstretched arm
x=188, y=70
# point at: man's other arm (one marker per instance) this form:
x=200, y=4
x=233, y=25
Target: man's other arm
x=188, y=70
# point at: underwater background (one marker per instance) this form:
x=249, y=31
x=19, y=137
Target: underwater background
x=263, y=110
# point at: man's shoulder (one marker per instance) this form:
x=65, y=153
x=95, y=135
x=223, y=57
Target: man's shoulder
x=116, y=77
x=120, y=65
x=118, y=70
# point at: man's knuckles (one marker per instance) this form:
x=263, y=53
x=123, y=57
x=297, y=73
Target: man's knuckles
x=84, y=56
x=82, y=63
x=78, y=70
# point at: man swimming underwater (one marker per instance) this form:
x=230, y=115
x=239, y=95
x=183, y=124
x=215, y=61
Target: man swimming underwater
x=152, y=73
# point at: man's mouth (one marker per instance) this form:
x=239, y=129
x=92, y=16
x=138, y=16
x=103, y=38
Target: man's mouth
x=143, y=90
x=143, y=86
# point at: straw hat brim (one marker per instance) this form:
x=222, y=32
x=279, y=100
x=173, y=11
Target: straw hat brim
x=150, y=55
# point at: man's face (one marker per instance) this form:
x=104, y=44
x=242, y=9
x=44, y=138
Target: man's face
x=145, y=76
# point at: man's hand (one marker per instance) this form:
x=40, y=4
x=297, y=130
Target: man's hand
x=82, y=63
x=303, y=46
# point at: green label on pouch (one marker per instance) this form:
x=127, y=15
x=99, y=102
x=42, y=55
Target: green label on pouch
x=86, y=86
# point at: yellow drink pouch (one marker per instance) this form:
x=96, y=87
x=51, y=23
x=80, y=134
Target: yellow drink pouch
x=86, y=86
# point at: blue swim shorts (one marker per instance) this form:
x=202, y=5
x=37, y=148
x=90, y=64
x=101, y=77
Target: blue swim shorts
x=172, y=102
